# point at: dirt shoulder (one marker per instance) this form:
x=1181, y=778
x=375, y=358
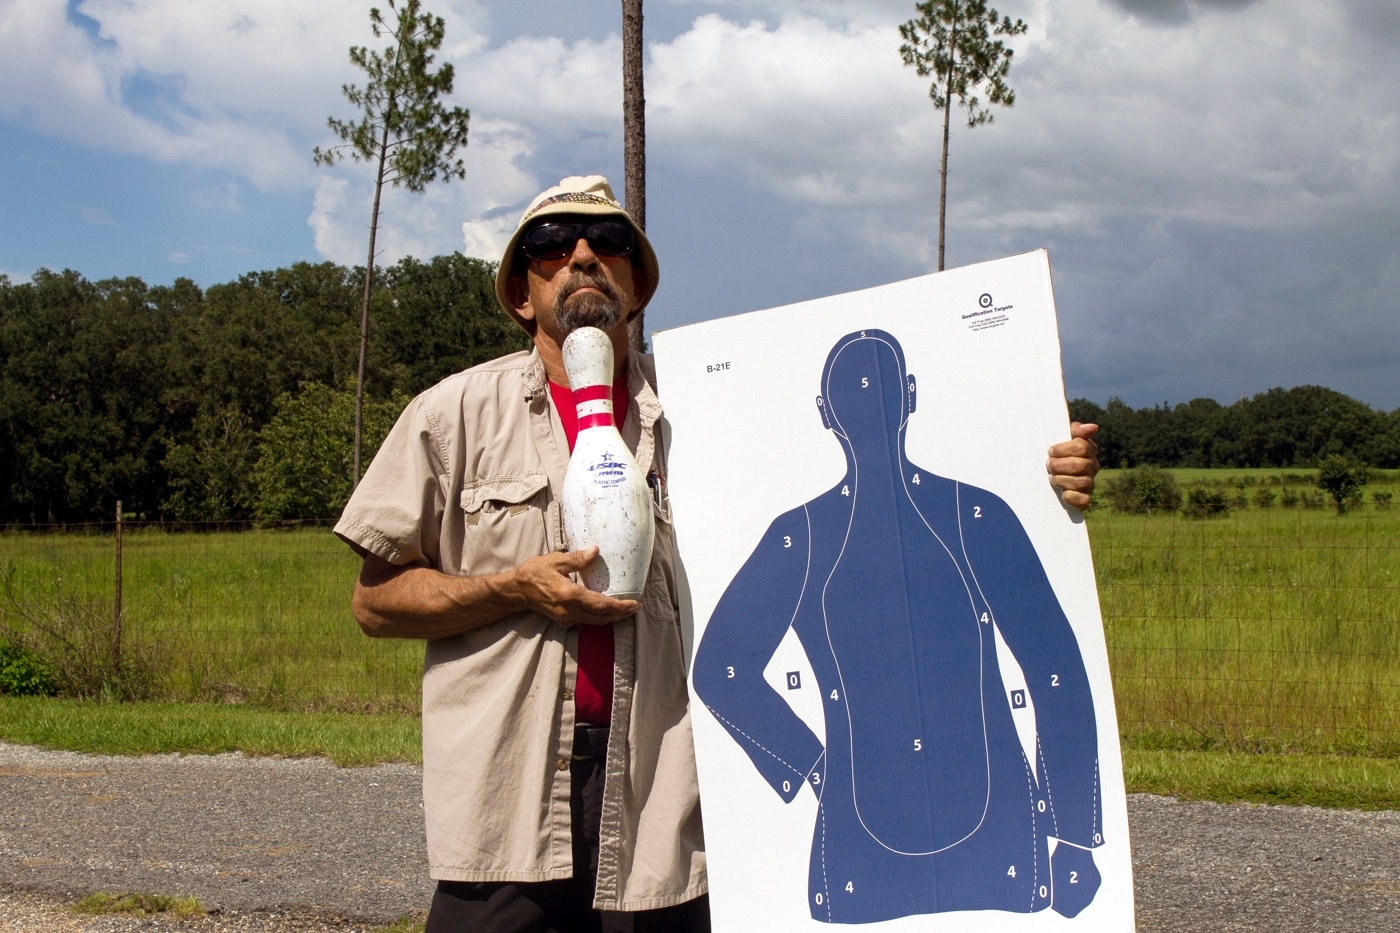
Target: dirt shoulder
x=300, y=845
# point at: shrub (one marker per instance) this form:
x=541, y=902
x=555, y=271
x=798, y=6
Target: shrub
x=1202, y=502
x=1342, y=479
x=1143, y=490
x=1264, y=498
x=1288, y=498
x=1381, y=499
x=22, y=674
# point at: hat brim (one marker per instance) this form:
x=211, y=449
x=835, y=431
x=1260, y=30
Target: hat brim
x=643, y=254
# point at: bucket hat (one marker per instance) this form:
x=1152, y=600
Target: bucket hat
x=584, y=196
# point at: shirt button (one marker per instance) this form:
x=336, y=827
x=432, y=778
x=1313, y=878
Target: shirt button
x=561, y=765
x=568, y=694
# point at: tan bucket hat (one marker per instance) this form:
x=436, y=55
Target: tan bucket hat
x=580, y=195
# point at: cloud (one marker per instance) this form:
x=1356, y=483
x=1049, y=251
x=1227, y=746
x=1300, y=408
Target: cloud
x=1217, y=196
x=1176, y=12
x=467, y=216
x=96, y=215
x=242, y=86
x=1217, y=180
x=812, y=111
x=856, y=13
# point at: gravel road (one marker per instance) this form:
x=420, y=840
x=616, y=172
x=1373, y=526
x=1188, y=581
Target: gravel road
x=299, y=845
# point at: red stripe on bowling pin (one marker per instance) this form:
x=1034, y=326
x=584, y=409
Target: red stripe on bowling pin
x=592, y=394
x=603, y=419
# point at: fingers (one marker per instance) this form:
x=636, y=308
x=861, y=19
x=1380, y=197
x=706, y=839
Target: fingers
x=549, y=589
x=1075, y=498
x=1073, y=464
x=1080, y=446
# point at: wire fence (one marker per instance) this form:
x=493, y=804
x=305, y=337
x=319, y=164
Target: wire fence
x=1260, y=627
x=1270, y=628
x=207, y=612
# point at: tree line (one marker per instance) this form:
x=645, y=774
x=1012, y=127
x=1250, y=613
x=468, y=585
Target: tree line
x=228, y=403
x=236, y=402
x=1296, y=427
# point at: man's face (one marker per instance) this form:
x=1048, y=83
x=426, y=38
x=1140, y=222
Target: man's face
x=584, y=288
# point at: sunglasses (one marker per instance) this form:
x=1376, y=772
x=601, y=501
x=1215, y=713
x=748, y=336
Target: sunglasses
x=555, y=241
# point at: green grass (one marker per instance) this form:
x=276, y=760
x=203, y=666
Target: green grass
x=348, y=739
x=352, y=739
x=140, y=905
x=1337, y=781
x=402, y=925
x=259, y=616
x=1264, y=630
x=1261, y=476
x=1266, y=641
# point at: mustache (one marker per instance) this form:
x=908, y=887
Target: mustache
x=585, y=280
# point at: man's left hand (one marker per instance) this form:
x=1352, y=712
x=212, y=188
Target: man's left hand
x=1073, y=463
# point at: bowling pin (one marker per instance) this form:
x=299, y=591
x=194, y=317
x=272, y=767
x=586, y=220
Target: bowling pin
x=606, y=500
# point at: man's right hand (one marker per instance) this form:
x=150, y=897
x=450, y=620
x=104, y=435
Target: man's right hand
x=544, y=584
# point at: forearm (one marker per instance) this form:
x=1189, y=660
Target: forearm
x=419, y=602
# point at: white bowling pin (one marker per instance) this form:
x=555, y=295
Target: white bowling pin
x=606, y=498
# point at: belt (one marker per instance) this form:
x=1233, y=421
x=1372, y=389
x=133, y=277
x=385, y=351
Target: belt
x=590, y=742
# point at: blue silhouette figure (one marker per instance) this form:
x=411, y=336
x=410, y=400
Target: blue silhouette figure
x=894, y=580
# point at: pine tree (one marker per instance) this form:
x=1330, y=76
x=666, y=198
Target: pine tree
x=952, y=40
x=404, y=130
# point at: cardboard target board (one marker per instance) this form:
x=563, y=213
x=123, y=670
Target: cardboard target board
x=899, y=684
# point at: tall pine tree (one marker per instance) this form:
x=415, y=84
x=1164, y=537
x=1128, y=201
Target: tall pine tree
x=404, y=130
x=952, y=40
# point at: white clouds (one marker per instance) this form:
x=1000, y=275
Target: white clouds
x=329, y=221
x=499, y=187
x=806, y=109
x=242, y=86
x=409, y=224
x=549, y=83
x=1218, y=180
x=468, y=216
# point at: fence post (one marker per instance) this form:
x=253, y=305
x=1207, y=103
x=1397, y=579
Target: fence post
x=117, y=608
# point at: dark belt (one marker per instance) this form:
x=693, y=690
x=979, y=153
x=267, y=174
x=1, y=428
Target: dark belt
x=590, y=742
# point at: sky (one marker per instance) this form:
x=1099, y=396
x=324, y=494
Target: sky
x=1217, y=182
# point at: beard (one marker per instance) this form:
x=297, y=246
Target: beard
x=572, y=311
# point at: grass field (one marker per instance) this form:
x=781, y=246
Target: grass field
x=260, y=616
x=1263, y=629
x=1269, y=633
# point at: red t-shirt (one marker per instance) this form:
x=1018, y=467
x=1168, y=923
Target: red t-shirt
x=593, y=691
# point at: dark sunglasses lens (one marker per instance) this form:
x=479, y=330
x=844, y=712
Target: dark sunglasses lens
x=610, y=238
x=555, y=241
x=550, y=241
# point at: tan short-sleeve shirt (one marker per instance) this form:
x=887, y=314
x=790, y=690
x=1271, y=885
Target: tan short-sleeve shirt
x=468, y=482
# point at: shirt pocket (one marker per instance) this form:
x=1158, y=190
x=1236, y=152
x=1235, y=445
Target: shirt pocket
x=659, y=597
x=504, y=519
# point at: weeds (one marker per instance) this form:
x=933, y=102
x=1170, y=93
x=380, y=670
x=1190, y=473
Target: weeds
x=402, y=925
x=59, y=643
x=140, y=905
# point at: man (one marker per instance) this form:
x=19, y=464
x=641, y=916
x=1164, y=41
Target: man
x=558, y=767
